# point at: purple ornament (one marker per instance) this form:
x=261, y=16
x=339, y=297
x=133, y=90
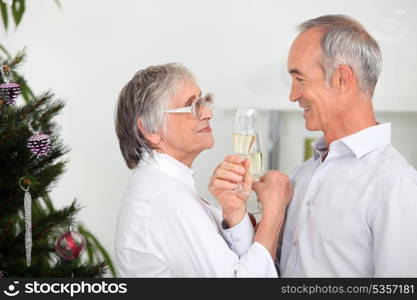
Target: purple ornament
x=9, y=92
x=39, y=144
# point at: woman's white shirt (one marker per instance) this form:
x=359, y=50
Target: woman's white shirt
x=166, y=230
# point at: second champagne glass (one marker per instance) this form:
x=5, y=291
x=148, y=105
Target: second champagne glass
x=255, y=155
x=256, y=166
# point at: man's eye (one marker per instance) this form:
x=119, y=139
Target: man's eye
x=299, y=79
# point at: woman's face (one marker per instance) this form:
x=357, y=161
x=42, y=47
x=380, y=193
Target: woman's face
x=186, y=136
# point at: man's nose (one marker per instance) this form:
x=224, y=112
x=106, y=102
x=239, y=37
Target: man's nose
x=295, y=93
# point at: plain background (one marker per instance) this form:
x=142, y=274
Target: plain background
x=237, y=49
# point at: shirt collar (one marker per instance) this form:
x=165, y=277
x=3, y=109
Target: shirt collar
x=359, y=143
x=368, y=139
x=171, y=166
x=319, y=147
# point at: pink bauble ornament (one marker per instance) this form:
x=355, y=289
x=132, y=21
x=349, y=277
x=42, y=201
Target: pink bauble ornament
x=39, y=144
x=9, y=92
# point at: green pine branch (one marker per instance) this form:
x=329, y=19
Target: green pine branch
x=16, y=11
x=42, y=173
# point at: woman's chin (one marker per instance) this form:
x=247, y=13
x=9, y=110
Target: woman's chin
x=208, y=143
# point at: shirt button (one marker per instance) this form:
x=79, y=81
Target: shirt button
x=295, y=243
x=309, y=203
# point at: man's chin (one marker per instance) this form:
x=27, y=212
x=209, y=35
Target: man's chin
x=310, y=126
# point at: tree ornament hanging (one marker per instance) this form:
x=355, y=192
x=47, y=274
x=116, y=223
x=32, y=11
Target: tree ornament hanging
x=9, y=90
x=39, y=143
x=70, y=245
x=28, y=218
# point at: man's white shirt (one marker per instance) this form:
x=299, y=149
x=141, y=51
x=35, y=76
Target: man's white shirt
x=353, y=214
x=166, y=230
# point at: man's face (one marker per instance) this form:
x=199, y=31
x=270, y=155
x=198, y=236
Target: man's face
x=309, y=86
x=185, y=134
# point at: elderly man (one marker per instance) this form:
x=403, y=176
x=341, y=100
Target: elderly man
x=354, y=208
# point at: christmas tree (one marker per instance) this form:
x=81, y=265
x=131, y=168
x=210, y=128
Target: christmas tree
x=35, y=239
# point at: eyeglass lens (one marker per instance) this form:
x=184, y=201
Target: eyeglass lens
x=201, y=104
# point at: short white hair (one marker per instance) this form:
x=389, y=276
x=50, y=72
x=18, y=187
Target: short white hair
x=346, y=42
x=145, y=97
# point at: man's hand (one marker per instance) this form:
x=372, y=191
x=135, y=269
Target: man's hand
x=225, y=179
x=274, y=192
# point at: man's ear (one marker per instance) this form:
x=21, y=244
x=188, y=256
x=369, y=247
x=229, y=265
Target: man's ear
x=153, y=138
x=343, y=79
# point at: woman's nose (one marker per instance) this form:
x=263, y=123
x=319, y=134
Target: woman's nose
x=206, y=113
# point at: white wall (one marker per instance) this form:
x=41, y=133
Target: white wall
x=236, y=48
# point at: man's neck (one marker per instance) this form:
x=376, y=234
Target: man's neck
x=356, y=120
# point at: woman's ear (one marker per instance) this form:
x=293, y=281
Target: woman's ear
x=153, y=138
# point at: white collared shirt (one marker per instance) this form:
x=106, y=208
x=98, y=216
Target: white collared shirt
x=166, y=230
x=355, y=214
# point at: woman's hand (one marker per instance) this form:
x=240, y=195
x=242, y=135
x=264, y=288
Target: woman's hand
x=223, y=183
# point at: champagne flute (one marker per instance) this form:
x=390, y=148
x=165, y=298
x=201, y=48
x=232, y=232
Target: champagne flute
x=244, y=135
x=255, y=156
x=256, y=166
x=247, y=143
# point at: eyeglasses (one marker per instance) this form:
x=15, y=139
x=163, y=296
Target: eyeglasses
x=196, y=108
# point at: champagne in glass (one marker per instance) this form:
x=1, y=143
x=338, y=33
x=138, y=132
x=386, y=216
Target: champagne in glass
x=256, y=165
x=256, y=169
x=255, y=155
x=243, y=143
x=248, y=147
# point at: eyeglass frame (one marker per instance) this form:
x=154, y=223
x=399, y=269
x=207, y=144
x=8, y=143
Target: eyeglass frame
x=208, y=99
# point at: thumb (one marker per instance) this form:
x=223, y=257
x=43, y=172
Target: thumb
x=256, y=186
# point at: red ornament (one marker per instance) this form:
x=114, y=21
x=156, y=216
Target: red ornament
x=70, y=245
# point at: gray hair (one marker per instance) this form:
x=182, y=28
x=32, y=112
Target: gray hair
x=145, y=97
x=345, y=41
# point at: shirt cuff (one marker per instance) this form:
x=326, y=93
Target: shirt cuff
x=240, y=237
x=258, y=262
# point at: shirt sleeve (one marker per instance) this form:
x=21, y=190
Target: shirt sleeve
x=240, y=237
x=192, y=242
x=394, y=228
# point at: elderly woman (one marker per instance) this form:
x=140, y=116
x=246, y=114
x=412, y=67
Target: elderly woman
x=164, y=228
